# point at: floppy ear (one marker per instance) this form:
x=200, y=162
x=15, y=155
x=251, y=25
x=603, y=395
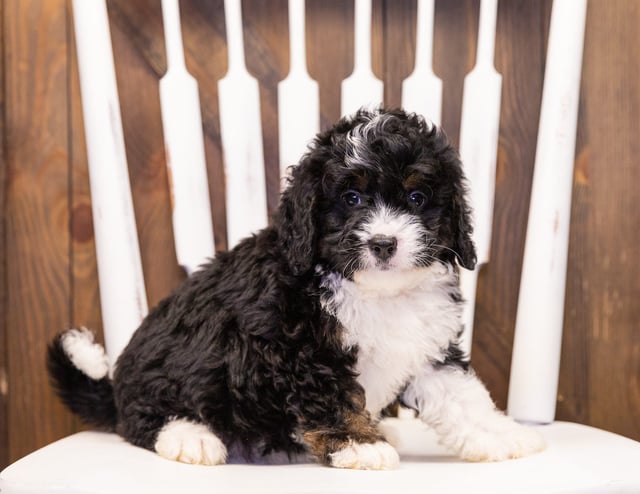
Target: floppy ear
x=463, y=246
x=296, y=218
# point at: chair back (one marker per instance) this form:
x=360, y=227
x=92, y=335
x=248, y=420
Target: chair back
x=299, y=114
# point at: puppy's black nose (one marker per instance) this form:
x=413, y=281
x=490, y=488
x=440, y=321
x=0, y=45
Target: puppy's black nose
x=383, y=246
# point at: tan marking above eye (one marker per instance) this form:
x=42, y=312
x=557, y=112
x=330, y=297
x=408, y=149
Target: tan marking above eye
x=414, y=181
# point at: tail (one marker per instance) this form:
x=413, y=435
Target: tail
x=78, y=368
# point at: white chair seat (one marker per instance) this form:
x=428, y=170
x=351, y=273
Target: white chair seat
x=578, y=459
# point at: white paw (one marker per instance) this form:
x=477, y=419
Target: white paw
x=375, y=456
x=509, y=440
x=188, y=442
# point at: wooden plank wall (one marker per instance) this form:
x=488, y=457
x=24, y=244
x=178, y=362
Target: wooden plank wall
x=48, y=278
x=4, y=433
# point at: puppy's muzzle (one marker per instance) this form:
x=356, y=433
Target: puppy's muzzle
x=383, y=247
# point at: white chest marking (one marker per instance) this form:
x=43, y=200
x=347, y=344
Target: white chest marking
x=398, y=320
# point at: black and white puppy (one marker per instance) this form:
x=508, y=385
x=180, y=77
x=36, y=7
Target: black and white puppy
x=299, y=337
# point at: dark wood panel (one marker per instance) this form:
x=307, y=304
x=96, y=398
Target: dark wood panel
x=329, y=36
x=138, y=91
x=206, y=59
x=519, y=30
x=4, y=385
x=397, y=35
x=455, y=33
x=600, y=381
x=37, y=215
x=266, y=38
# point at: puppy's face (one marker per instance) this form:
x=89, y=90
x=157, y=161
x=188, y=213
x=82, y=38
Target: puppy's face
x=383, y=192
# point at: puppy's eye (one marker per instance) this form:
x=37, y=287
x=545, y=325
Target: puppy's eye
x=417, y=199
x=352, y=198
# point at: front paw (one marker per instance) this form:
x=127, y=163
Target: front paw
x=509, y=440
x=366, y=456
x=188, y=442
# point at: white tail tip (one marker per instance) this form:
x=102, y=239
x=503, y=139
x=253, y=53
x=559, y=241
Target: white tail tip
x=85, y=354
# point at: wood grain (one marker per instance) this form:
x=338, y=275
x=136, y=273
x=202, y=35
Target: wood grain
x=518, y=25
x=455, y=34
x=206, y=59
x=600, y=374
x=329, y=52
x=266, y=35
x=4, y=391
x=37, y=214
x=48, y=277
x=394, y=33
x=138, y=89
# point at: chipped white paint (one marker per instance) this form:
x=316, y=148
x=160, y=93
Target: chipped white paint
x=535, y=364
x=298, y=96
x=362, y=87
x=422, y=90
x=241, y=135
x=122, y=292
x=479, y=130
x=184, y=149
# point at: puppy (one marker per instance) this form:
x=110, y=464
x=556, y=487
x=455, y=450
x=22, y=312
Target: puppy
x=299, y=337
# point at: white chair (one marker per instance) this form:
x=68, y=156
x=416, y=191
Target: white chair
x=578, y=458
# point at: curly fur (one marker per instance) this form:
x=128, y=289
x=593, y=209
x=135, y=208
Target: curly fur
x=298, y=337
